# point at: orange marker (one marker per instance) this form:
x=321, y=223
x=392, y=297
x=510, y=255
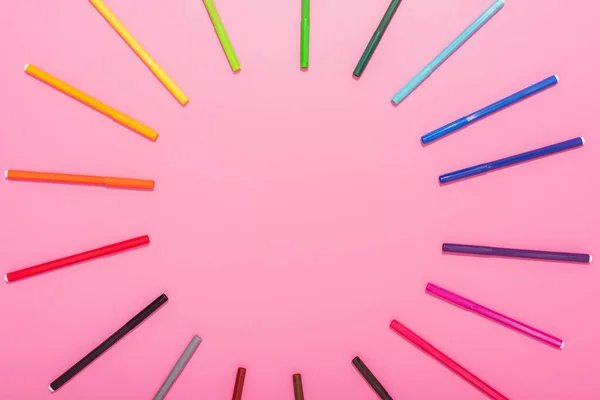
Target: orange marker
x=91, y=102
x=140, y=184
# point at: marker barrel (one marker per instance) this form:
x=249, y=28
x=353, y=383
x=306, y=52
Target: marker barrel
x=239, y=384
x=77, y=258
x=108, y=343
x=178, y=368
x=298, y=390
x=91, y=102
x=371, y=379
x=516, y=159
x=376, y=38
x=449, y=363
x=501, y=319
x=516, y=253
x=140, y=51
x=486, y=111
x=447, y=52
x=106, y=181
x=305, y=34
x=222, y=35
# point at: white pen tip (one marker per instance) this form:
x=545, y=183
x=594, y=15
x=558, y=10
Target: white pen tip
x=50, y=389
x=5, y=278
x=590, y=260
x=562, y=345
x=582, y=140
x=25, y=68
x=6, y=174
x=557, y=78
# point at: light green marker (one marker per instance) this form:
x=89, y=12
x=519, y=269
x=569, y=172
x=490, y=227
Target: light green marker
x=304, y=33
x=222, y=34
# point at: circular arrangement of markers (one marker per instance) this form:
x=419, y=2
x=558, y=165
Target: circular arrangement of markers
x=140, y=183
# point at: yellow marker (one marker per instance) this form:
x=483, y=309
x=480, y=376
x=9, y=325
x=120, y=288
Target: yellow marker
x=139, y=50
x=90, y=101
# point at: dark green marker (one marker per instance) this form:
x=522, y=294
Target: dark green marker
x=368, y=53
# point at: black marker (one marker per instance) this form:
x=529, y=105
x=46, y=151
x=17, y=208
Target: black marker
x=370, y=378
x=107, y=344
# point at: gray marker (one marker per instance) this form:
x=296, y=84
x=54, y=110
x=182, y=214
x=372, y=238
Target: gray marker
x=178, y=368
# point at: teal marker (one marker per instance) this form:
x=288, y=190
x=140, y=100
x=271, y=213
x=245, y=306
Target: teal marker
x=447, y=52
x=304, y=33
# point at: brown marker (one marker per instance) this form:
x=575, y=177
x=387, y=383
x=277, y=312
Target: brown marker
x=239, y=384
x=298, y=393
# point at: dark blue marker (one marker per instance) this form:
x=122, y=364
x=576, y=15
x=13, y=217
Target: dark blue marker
x=504, y=162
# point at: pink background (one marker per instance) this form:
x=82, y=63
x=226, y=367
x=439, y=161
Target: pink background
x=296, y=213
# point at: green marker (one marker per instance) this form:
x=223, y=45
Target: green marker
x=222, y=34
x=368, y=53
x=304, y=33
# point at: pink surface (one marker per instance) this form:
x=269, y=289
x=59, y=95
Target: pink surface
x=295, y=213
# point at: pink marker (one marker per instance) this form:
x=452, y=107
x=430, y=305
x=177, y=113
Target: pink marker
x=494, y=316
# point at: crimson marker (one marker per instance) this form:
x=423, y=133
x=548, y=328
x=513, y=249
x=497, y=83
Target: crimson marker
x=449, y=363
x=77, y=258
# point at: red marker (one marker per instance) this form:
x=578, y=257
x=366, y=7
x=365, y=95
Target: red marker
x=77, y=258
x=447, y=361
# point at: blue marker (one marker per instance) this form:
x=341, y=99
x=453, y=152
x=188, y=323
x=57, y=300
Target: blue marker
x=492, y=108
x=504, y=162
x=447, y=52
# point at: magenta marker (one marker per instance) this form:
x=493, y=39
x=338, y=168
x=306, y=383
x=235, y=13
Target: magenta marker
x=494, y=316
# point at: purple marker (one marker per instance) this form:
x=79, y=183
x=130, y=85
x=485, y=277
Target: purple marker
x=494, y=316
x=518, y=253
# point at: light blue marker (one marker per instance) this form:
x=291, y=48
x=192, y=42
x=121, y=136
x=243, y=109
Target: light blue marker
x=492, y=108
x=447, y=52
